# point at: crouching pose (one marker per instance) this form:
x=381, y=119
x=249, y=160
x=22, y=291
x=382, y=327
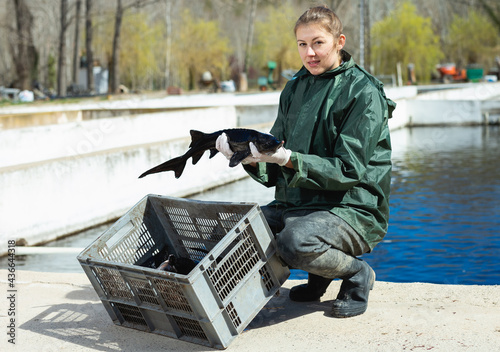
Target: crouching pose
x=332, y=176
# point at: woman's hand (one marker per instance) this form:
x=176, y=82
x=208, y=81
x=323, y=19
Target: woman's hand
x=222, y=145
x=281, y=156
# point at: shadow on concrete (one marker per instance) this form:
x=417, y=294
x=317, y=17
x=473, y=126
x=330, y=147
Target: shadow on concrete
x=280, y=309
x=83, y=294
x=86, y=323
x=89, y=325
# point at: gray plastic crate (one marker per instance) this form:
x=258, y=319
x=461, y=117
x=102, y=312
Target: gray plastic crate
x=236, y=274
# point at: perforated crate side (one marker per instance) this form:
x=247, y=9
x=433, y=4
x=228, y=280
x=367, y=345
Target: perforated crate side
x=231, y=270
x=216, y=333
x=173, y=295
x=112, y=283
x=238, y=254
x=258, y=289
x=196, y=227
x=133, y=239
x=129, y=316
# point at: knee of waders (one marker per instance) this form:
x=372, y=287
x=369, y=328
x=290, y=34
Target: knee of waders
x=290, y=249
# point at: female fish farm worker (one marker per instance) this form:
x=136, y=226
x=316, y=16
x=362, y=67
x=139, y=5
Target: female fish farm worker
x=332, y=176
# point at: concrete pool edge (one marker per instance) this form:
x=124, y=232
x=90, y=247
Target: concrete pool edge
x=57, y=311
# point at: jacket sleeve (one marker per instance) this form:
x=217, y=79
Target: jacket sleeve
x=357, y=136
x=263, y=173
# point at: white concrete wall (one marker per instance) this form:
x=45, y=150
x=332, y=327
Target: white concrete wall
x=170, y=102
x=475, y=91
x=400, y=93
x=443, y=112
x=400, y=117
x=37, y=143
x=463, y=106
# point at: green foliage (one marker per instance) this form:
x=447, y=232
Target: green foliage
x=141, y=48
x=199, y=46
x=471, y=40
x=405, y=37
x=275, y=41
x=141, y=51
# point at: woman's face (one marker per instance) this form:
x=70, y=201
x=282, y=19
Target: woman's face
x=318, y=49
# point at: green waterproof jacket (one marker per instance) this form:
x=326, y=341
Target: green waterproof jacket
x=335, y=124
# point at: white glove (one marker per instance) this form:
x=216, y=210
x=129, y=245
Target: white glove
x=222, y=145
x=280, y=156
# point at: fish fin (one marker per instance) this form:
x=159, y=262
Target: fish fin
x=197, y=157
x=213, y=151
x=238, y=157
x=196, y=136
x=179, y=169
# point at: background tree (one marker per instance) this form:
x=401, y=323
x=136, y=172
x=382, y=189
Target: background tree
x=114, y=74
x=51, y=71
x=89, y=54
x=115, y=56
x=76, y=44
x=168, y=42
x=472, y=40
x=405, y=37
x=243, y=76
x=22, y=48
x=492, y=9
x=61, y=62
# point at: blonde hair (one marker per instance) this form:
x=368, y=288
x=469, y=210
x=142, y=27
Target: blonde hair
x=323, y=16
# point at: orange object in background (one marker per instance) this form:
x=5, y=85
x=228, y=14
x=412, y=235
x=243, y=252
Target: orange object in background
x=449, y=73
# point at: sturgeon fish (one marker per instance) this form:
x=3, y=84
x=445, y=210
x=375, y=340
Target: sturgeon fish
x=238, y=139
x=177, y=265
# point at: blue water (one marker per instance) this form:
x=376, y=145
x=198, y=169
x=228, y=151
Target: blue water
x=445, y=206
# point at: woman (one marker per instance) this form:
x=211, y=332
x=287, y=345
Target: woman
x=332, y=176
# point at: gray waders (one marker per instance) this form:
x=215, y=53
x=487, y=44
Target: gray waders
x=325, y=246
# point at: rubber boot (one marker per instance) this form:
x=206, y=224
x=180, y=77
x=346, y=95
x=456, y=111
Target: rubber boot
x=312, y=291
x=352, y=299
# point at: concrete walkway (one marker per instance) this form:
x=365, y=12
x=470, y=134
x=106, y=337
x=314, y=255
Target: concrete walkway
x=61, y=312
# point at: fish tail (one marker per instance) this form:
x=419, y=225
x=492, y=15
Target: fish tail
x=176, y=165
